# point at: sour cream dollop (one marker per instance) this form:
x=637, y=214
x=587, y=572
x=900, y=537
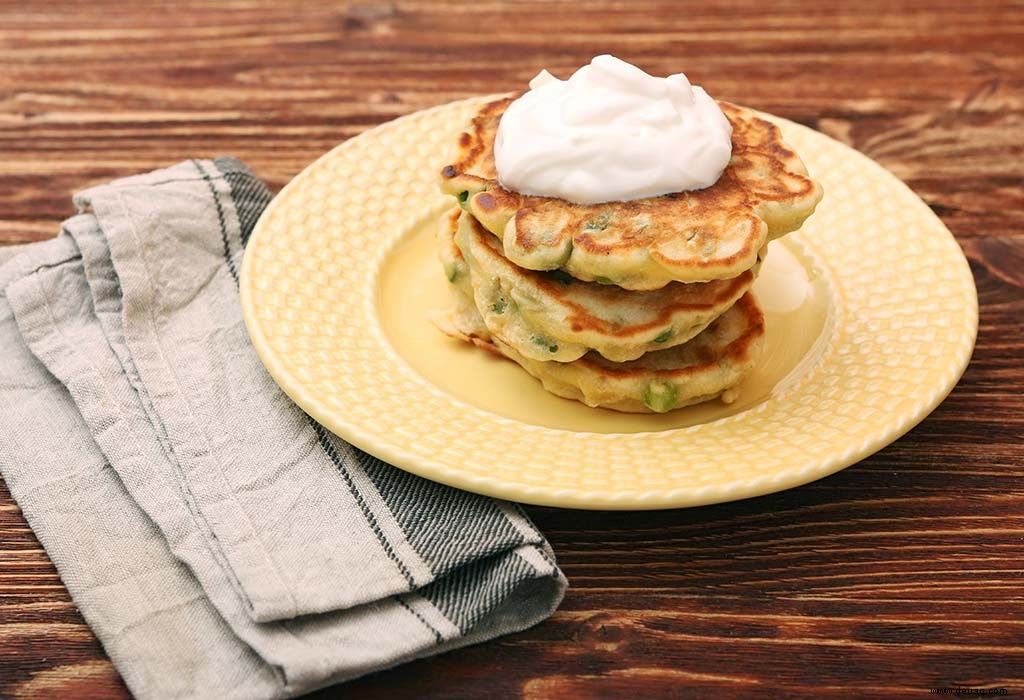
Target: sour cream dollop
x=611, y=132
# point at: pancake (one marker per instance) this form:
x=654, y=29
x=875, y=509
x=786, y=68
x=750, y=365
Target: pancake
x=708, y=366
x=694, y=236
x=550, y=316
x=456, y=269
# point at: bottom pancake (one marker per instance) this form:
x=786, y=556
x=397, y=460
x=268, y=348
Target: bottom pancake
x=708, y=366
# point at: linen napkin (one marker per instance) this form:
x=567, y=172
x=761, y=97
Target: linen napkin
x=219, y=541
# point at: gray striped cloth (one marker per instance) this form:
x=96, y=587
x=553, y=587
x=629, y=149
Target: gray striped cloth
x=220, y=542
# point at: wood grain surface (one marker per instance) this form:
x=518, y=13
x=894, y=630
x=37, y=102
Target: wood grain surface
x=900, y=574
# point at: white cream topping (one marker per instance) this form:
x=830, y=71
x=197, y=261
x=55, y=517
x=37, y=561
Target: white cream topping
x=611, y=132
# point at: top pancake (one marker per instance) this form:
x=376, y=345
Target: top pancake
x=694, y=236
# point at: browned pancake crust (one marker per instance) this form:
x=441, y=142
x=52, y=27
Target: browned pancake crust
x=672, y=299
x=662, y=364
x=699, y=235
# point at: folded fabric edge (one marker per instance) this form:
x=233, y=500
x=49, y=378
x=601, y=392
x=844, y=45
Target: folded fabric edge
x=503, y=594
x=121, y=577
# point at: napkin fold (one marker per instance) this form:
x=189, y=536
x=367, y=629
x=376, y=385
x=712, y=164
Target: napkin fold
x=219, y=541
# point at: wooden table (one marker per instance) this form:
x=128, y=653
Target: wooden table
x=897, y=575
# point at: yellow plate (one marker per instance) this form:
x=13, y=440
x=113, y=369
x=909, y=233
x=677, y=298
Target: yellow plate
x=871, y=319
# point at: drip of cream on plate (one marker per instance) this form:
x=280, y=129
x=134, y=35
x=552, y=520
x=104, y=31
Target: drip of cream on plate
x=611, y=132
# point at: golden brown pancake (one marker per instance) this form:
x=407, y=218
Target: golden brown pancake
x=552, y=316
x=708, y=366
x=694, y=236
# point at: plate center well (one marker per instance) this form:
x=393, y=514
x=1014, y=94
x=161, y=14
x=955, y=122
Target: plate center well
x=792, y=292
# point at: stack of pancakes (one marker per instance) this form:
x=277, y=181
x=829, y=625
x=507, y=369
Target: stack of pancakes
x=639, y=306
